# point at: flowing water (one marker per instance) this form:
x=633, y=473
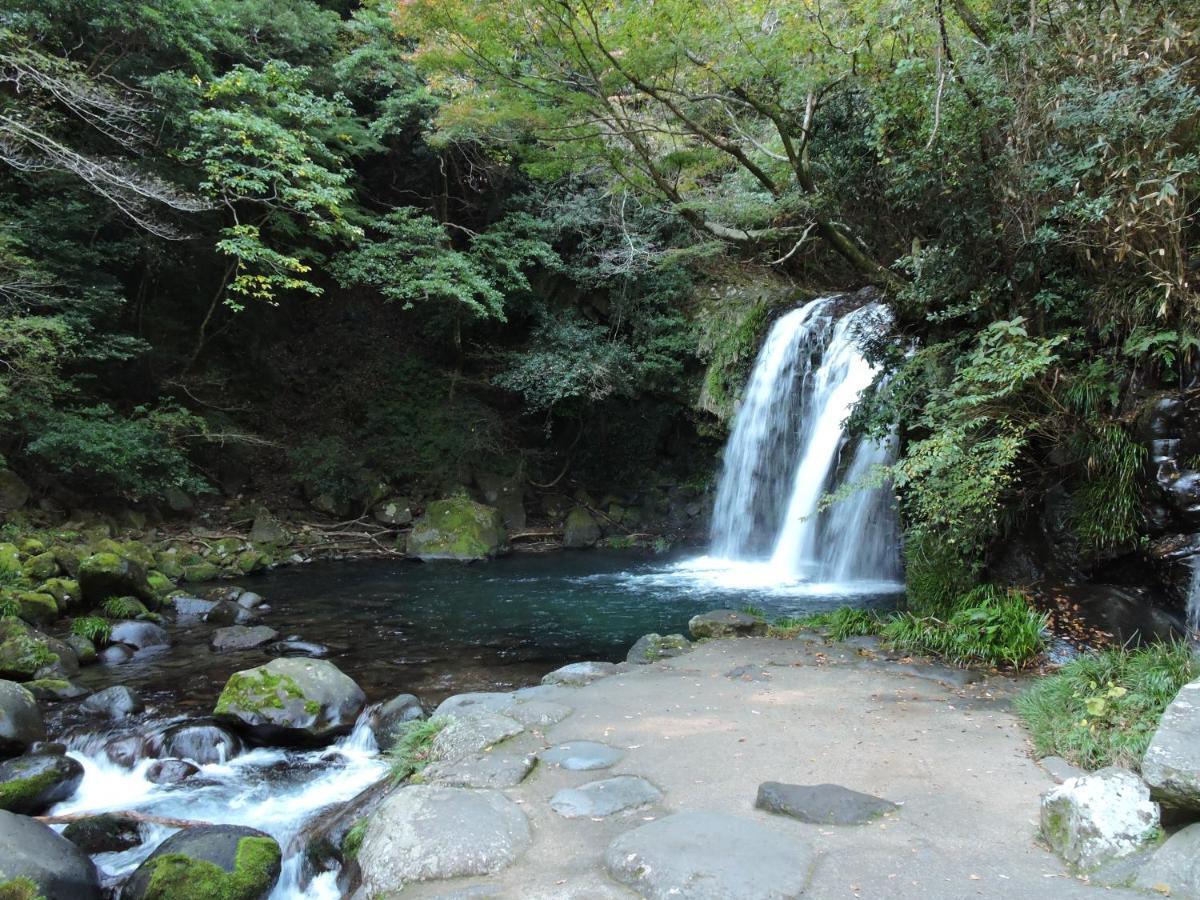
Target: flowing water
x=789, y=449
x=1193, y=600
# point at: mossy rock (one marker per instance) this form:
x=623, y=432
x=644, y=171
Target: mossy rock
x=36, y=608
x=201, y=572
x=65, y=592
x=249, y=561
x=31, y=546
x=40, y=567
x=458, y=529
x=160, y=583
x=54, y=689
x=25, y=651
x=168, y=564
x=580, y=529
x=103, y=575
x=216, y=862
x=85, y=649
x=68, y=560
x=30, y=785
x=10, y=559
x=226, y=548
x=138, y=552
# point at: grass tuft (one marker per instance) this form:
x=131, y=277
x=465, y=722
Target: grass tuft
x=410, y=754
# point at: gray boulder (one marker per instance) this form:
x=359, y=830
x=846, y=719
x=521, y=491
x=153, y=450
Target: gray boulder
x=1174, y=869
x=293, y=701
x=473, y=702
x=580, y=673
x=104, y=575
x=242, y=637
x=580, y=529
x=268, y=530
x=20, y=719
x=58, y=869
x=140, y=635
x=598, y=799
x=389, y=720
x=482, y=770
x=722, y=623
x=650, y=648
x=473, y=733
x=170, y=771
x=209, y=861
x=427, y=833
x=709, y=856
x=1171, y=764
x=202, y=742
x=821, y=804
x=1092, y=820
x=115, y=702
x=32, y=784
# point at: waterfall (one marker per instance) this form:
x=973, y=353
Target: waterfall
x=789, y=448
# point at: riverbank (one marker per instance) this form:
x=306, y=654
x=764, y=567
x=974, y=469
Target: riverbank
x=707, y=728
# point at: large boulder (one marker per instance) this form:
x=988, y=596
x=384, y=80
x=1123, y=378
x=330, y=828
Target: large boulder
x=116, y=702
x=32, y=784
x=57, y=868
x=293, y=701
x=269, y=530
x=390, y=720
x=103, y=575
x=201, y=741
x=722, y=623
x=709, y=856
x=140, y=635
x=1095, y=819
x=507, y=494
x=20, y=719
x=580, y=529
x=473, y=733
x=458, y=529
x=1171, y=764
x=427, y=833
x=26, y=653
x=226, y=861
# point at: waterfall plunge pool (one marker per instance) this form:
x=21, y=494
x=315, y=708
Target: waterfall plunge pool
x=433, y=630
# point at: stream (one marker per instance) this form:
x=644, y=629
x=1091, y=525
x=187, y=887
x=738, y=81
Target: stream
x=394, y=627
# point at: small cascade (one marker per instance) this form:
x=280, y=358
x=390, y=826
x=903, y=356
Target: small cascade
x=1193, y=600
x=789, y=448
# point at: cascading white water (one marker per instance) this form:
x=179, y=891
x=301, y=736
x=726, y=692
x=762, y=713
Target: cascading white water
x=788, y=449
x=1193, y=600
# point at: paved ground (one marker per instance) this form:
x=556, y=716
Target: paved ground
x=953, y=755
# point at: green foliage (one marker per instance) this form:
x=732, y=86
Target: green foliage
x=990, y=626
x=94, y=628
x=1102, y=708
x=1108, y=509
x=352, y=842
x=411, y=752
x=757, y=611
x=138, y=456
x=123, y=608
x=10, y=606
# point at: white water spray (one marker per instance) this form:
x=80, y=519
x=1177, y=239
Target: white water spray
x=789, y=448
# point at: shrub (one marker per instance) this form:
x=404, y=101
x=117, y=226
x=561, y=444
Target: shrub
x=1102, y=709
x=991, y=626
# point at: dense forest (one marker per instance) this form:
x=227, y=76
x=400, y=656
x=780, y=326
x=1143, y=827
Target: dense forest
x=313, y=246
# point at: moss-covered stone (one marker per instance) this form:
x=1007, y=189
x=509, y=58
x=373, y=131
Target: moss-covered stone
x=54, y=689
x=138, y=552
x=84, y=649
x=31, y=546
x=200, y=572
x=10, y=559
x=68, y=560
x=580, y=529
x=35, y=607
x=160, y=583
x=168, y=563
x=226, y=548
x=458, y=528
x=249, y=561
x=23, y=650
x=103, y=575
x=20, y=889
x=256, y=690
x=31, y=784
x=179, y=871
x=40, y=567
x=65, y=592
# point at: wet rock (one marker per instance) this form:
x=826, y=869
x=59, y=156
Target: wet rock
x=458, y=529
x=821, y=804
x=473, y=702
x=580, y=673
x=537, y=713
x=226, y=612
x=709, y=856
x=651, y=648
x=200, y=742
x=195, y=608
x=1092, y=820
x=201, y=572
x=250, y=600
x=54, y=748
x=54, y=690
x=473, y=733
x=20, y=719
x=582, y=756
x=1174, y=869
x=104, y=575
x=26, y=653
x=426, y=833
x=58, y=869
x=32, y=784
x=291, y=701
x=227, y=861
x=104, y=833
x=1171, y=764
x=170, y=771
x=115, y=702
x=580, y=529
x=116, y=654
x=140, y=635
x=482, y=770
x=126, y=751
x=389, y=719
x=323, y=840
x=84, y=649
x=292, y=647
x=242, y=637
x=722, y=623
x=229, y=593
x=598, y=799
